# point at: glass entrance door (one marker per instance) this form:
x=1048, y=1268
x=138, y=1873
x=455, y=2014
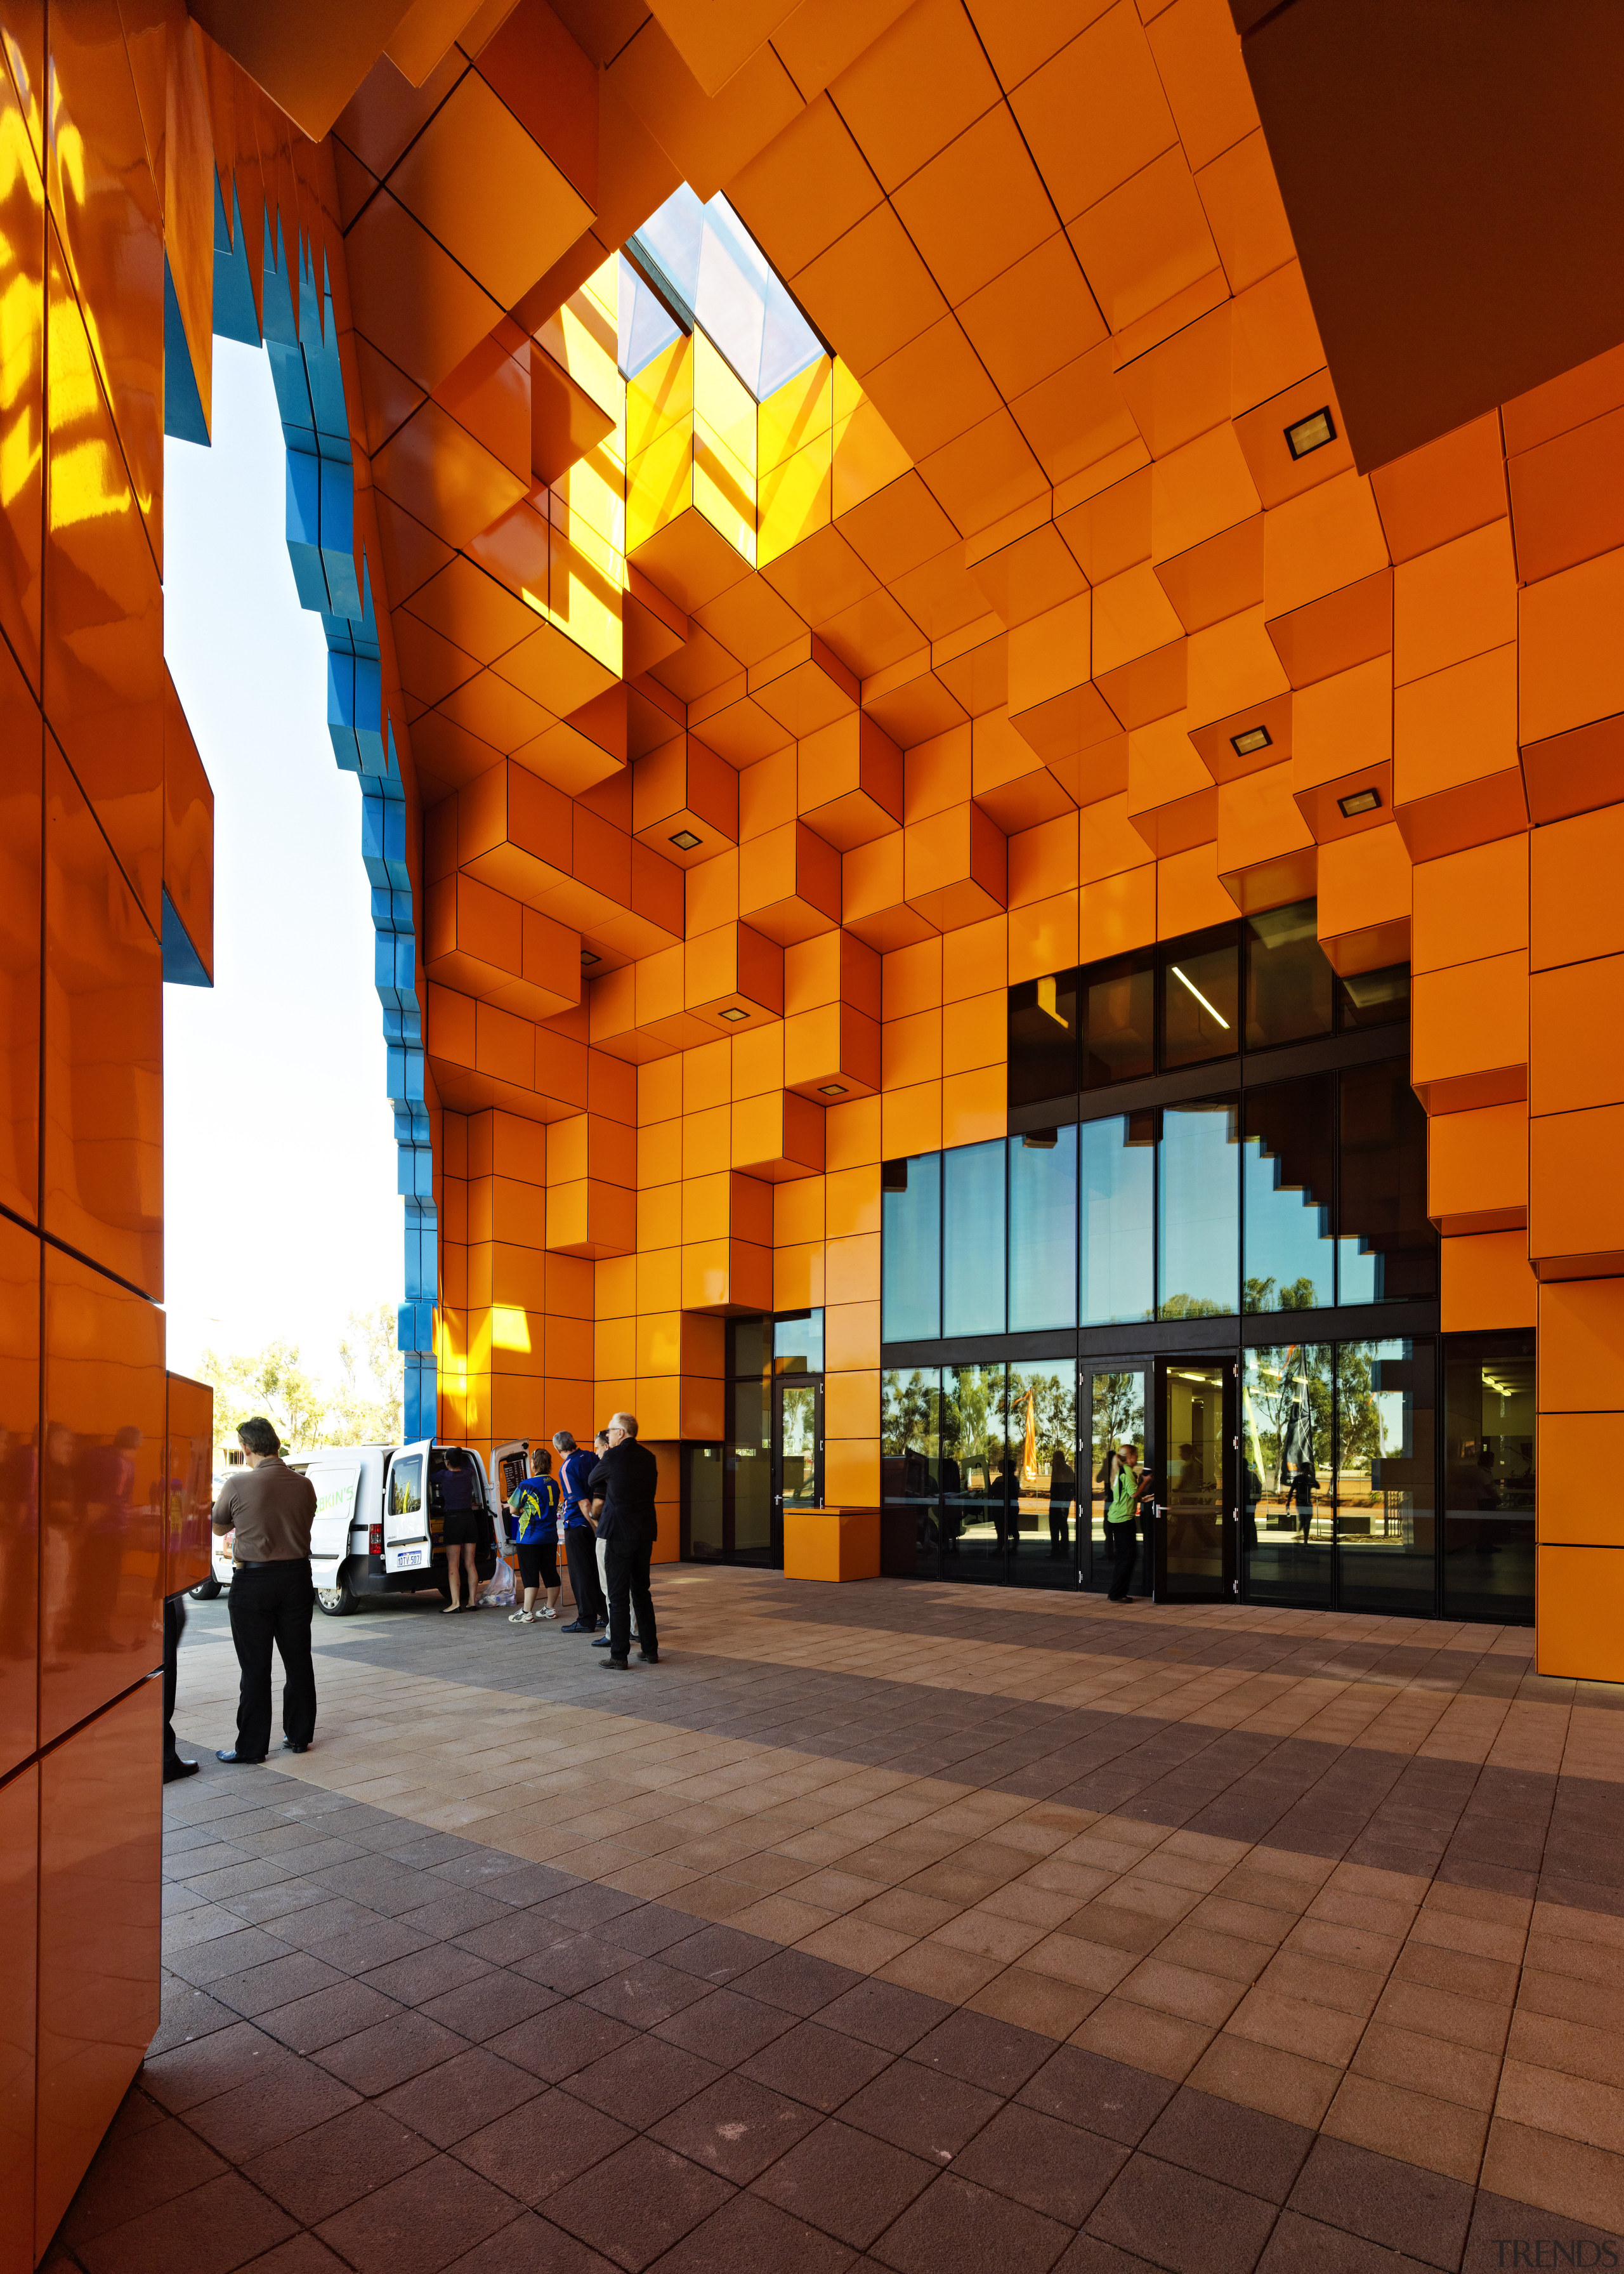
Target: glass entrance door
x=797, y=1451
x=1115, y=1410
x=1195, y=1481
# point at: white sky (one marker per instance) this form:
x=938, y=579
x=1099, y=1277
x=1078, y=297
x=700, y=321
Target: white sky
x=282, y=1213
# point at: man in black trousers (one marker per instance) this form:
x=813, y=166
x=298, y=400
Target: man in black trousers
x=270, y=1511
x=622, y=1486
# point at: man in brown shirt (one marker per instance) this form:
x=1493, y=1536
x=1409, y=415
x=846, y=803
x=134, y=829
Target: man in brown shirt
x=270, y=1511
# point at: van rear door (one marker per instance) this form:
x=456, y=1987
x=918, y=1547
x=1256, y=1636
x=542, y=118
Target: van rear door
x=406, y=1545
x=335, y=1509
x=509, y=1465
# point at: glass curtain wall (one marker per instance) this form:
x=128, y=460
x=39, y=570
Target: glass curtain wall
x=1040, y=1410
x=1386, y=1477
x=978, y=1470
x=1287, y=1499
x=1116, y=1212
x=1115, y=1415
x=1043, y=1231
x=911, y=1469
x=975, y=1465
x=1198, y=1211
x=911, y=1249
x=1489, y=1477
x=973, y=1236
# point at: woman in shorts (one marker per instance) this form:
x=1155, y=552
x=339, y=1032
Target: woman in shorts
x=459, y=1528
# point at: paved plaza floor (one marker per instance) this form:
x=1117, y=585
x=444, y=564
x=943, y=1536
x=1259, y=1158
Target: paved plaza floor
x=943, y=1930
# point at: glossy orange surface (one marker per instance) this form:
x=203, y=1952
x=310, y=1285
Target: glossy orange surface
x=20, y=1894
x=188, y=1485
x=100, y=1855
x=21, y=761
x=22, y=370
x=101, y=1493
x=20, y=1498
x=103, y=1148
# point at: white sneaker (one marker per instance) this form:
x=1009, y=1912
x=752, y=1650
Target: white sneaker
x=522, y=1619
x=548, y=1613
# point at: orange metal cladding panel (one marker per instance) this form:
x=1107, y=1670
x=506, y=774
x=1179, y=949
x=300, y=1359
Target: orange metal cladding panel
x=102, y=1525
x=22, y=749
x=20, y=1910
x=103, y=1149
x=188, y=1483
x=1582, y=1346
x=104, y=644
x=22, y=295
x=1579, y=1624
x=100, y=1867
x=19, y=1501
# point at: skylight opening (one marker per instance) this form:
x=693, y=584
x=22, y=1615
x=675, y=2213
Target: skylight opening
x=694, y=266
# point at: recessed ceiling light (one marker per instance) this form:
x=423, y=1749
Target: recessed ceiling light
x=685, y=840
x=1311, y=434
x=735, y=1012
x=1255, y=738
x=832, y=1090
x=1359, y=801
x=587, y=956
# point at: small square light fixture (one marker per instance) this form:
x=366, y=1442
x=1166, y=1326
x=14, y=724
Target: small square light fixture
x=1311, y=434
x=1357, y=802
x=685, y=840
x=733, y=1011
x=1255, y=738
x=832, y=1090
x=587, y=956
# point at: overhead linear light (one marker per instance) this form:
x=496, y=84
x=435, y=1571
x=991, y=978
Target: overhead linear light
x=1357, y=802
x=1311, y=434
x=1255, y=738
x=735, y=1012
x=832, y=1090
x=1211, y=1009
x=685, y=840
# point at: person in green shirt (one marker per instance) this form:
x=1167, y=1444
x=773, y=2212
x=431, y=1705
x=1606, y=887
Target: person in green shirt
x=1129, y=1486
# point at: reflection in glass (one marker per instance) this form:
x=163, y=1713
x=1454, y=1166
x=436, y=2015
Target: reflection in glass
x=1289, y=982
x=751, y=1340
x=1190, y=1486
x=1041, y=1432
x=749, y=1462
x=911, y=1464
x=798, y=1435
x=798, y=1342
x=1388, y=1252
x=1042, y=1230
x=973, y=1240
x=1375, y=998
x=1198, y=1211
x=910, y=1267
x=1200, y=1001
x=1287, y=1167
x=974, y=1461
x=1116, y=1212
x=1489, y=1477
x=1115, y=1414
x=703, y=1494
x=1386, y=1519
x=1119, y=1020
x=1043, y=1039
x=1287, y=1481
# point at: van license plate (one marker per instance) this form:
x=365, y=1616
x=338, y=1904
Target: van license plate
x=409, y=1558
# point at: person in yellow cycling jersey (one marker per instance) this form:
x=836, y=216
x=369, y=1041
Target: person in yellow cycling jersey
x=534, y=1510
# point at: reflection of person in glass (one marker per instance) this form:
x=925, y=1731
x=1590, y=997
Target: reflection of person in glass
x=1061, y=1490
x=104, y=1494
x=1300, y=1498
x=1130, y=1487
x=19, y=1547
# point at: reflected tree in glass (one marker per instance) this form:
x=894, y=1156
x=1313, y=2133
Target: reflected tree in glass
x=1039, y=1420
x=974, y=1464
x=911, y=1455
x=1386, y=1516
x=1116, y=1413
x=1287, y=1481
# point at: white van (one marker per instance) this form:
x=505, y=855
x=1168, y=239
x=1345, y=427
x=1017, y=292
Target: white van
x=377, y=1529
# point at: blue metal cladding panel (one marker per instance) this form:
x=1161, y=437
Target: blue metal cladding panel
x=183, y=401
x=300, y=334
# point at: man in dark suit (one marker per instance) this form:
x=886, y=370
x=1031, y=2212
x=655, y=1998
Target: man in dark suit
x=622, y=1486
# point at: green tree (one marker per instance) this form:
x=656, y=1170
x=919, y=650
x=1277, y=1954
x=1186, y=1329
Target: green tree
x=365, y=1408
x=273, y=1381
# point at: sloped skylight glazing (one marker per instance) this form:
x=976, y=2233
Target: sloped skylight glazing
x=697, y=265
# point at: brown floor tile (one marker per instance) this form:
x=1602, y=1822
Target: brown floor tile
x=1498, y=2221
x=1086, y=1965
x=929, y=2113
x=1554, y=2100
x=1401, y=2205
x=555, y=2044
x=1319, y=2033
x=542, y=2145
x=799, y=1983
x=1355, y=1946
x=462, y=2095
x=1229, y=1956
x=1051, y=2166
x=748, y=2234
x=420, y=2222
x=1322, y=1982
x=1161, y=2042
x=1466, y=1974
x=377, y=2058
x=642, y=2082
x=847, y=2183
x=1187, y=2223
x=267, y=2110
x=1304, y=2246
x=956, y=2228
x=1204, y=1998
x=1451, y=2072
x=638, y=2203
x=192, y=2073
x=1443, y=2014
x=211, y=2229
x=1258, y=2153
x=1281, y=2084
x=301, y=2254
x=335, y=2164
x=857, y=1943
x=147, y=2159
x=1038, y=2002
x=736, y=2127
x=1110, y=2098
x=820, y=2066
